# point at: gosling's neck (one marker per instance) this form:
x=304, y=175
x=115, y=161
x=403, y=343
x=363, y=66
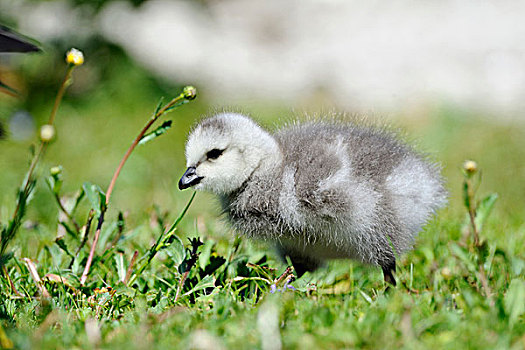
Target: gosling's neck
x=263, y=178
x=270, y=159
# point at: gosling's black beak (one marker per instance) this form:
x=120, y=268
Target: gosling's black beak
x=189, y=178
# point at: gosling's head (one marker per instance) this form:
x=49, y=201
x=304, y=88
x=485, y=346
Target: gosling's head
x=223, y=151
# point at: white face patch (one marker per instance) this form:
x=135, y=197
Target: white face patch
x=243, y=147
x=224, y=174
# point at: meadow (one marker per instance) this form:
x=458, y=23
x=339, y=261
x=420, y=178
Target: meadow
x=163, y=277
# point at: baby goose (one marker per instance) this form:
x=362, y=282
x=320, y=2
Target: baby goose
x=320, y=190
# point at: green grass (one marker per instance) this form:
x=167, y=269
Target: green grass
x=226, y=300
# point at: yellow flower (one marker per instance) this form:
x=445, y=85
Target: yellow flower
x=470, y=166
x=446, y=273
x=47, y=132
x=75, y=57
x=55, y=170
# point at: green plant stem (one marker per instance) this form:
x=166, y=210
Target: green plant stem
x=109, y=191
x=475, y=233
x=287, y=273
x=135, y=142
x=60, y=94
x=130, y=267
x=181, y=284
x=472, y=212
x=194, y=255
x=83, y=278
x=66, y=213
x=85, y=238
x=484, y=281
x=36, y=278
x=161, y=241
x=11, y=284
x=16, y=220
x=120, y=227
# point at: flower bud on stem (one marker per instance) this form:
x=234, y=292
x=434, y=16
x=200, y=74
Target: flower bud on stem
x=188, y=93
x=47, y=133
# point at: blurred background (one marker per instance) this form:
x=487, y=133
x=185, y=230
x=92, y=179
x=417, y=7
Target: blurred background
x=449, y=74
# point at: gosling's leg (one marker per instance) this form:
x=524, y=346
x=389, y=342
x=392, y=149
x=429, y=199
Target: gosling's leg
x=389, y=268
x=301, y=264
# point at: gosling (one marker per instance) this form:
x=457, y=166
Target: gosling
x=320, y=190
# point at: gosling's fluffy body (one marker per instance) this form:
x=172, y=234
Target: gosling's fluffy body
x=321, y=189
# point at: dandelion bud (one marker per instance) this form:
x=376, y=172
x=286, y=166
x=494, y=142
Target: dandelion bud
x=189, y=92
x=47, y=132
x=470, y=167
x=446, y=273
x=75, y=57
x=56, y=170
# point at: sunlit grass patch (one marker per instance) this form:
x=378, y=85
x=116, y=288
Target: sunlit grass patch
x=200, y=286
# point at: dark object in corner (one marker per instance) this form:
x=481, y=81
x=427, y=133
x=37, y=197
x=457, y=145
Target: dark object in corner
x=14, y=42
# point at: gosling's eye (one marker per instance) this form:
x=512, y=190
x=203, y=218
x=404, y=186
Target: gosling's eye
x=214, y=153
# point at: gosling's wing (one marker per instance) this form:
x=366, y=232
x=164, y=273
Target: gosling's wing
x=338, y=170
x=316, y=169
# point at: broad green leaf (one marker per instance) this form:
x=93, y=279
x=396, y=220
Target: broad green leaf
x=78, y=199
x=156, y=133
x=77, y=266
x=176, y=251
x=366, y=296
x=54, y=184
x=207, y=297
x=181, y=215
x=119, y=263
x=107, y=232
x=463, y=256
x=159, y=106
x=121, y=289
x=204, y=257
x=59, y=279
x=95, y=196
x=515, y=300
x=206, y=282
x=60, y=242
x=68, y=229
x=55, y=179
x=23, y=198
x=483, y=210
x=56, y=253
x=5, y=258
x=518, y=266
x=176, y=105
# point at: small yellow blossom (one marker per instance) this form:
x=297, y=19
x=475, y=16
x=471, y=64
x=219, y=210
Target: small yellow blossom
x=189, y=92
x=75, y=57
x=55, y=170
x=47, y=132
x=446, y=273
x=470, y=166
x=103, y=290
